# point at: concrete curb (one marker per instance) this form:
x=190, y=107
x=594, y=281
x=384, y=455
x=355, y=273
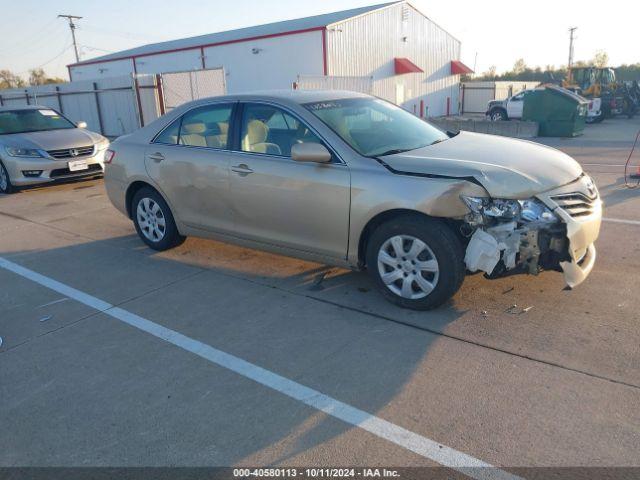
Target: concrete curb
x=511, y=128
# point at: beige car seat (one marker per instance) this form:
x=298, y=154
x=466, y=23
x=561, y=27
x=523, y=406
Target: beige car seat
x=255, y=139
x=217, y=134
x=193, y=134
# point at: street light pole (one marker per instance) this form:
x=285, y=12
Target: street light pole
x=72, y=27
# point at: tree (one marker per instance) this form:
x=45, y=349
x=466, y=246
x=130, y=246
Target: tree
x=628, y=72
x=8, y=79
x=37, y=76
x=492, y=72
x=601, y=59
x=519, y=67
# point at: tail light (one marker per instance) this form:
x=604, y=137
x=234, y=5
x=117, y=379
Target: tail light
x=108, y=156
x=591, y=105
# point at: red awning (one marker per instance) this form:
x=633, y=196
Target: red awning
x=404, y=65
x=459, y=68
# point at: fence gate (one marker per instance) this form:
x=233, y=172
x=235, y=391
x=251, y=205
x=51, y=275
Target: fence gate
x=320, y=82
x=182, y=87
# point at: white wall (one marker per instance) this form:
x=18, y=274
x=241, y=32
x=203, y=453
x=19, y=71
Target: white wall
x=367, y=45
x=102, y=70
x=277, y=65
x=170, y=62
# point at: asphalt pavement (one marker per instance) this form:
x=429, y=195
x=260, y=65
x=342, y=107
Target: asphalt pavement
x=216, y=355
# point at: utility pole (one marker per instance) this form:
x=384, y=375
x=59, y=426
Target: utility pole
x=571, y=39
x=72, y=27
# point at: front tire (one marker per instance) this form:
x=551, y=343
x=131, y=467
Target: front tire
x=416, y=262
x=498, y=115
x=154, y=221
x=5, y=181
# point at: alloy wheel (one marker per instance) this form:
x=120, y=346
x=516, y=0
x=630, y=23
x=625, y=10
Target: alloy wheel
x=151, y=219
x=408, y=267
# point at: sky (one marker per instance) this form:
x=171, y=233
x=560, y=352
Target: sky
x=499, y=31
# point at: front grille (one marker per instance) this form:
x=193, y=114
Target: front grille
x=576, y=204
x=66, y=173
x=71, y=152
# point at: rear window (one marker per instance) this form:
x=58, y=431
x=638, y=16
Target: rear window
x=24, y=121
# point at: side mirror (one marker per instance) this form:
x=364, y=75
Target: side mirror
x=81, y=124
x=310, y=152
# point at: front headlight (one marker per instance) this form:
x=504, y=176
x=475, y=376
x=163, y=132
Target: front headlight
x=533, y=210
x=102, y=145
x=493, y=207
x=485, y=209
x=25, y=152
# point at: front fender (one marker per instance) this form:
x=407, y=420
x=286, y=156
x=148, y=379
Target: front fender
x=436, y=197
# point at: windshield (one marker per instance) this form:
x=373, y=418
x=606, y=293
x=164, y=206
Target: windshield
x=23, y=121
x=374, y=127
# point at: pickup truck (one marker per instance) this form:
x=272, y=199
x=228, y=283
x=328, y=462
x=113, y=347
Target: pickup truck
x=512, y=107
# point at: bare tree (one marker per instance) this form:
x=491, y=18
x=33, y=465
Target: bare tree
x=492, y=72
x=37, y=76
x=600, y=59
x=8, y=79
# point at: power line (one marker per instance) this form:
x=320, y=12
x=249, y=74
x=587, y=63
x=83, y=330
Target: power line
x=73, y=27
x=31, y=42
x=48, y=61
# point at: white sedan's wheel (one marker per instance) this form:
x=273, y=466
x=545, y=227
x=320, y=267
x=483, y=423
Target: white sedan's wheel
x=151, y=219
x=408, y=267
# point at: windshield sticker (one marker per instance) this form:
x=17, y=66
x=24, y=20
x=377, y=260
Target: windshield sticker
x=48, y=113
x=323, y=105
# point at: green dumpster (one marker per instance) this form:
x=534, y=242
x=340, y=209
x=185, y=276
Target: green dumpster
x=558, y=111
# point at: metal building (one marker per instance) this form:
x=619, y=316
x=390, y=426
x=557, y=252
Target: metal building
x=391, y=50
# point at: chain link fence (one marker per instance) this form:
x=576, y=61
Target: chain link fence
x=182, y=87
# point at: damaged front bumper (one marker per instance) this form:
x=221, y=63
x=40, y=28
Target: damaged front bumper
x=563, y=241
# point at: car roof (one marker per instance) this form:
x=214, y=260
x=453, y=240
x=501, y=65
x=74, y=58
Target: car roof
x=24, y=107
x=291, y=96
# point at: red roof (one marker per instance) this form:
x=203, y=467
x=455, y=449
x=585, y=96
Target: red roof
x=459, y=68
x=404, y=65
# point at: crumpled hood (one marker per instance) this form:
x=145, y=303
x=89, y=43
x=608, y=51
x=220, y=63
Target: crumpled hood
x=505, y=167
x=52, y=139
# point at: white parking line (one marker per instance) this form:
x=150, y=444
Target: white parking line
x=391, y=432
x=621, y=220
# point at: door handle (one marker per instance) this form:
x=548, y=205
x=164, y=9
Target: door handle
x=157, y=157
x=243, y=170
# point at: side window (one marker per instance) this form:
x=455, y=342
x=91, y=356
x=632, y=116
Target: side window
x=270, y=130
x=169, y=134
x=206, y=126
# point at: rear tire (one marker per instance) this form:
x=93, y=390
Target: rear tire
x=154, y=221
x=419, y=281
x=5, y=182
